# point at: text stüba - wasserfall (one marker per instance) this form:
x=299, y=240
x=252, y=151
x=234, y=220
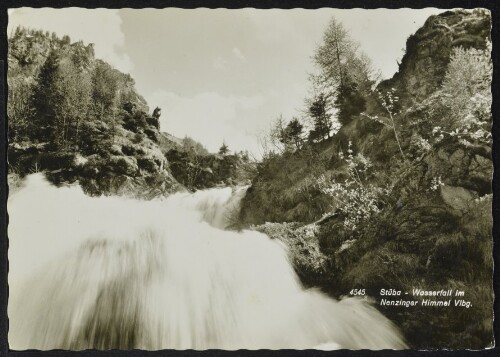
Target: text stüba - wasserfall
x=426, y=298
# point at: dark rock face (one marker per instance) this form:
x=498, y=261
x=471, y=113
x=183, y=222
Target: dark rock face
x=463, y=168
x=423, y=66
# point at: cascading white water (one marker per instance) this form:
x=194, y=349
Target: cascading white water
x=112, y=272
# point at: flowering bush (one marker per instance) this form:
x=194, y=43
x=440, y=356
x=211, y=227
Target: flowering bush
x=354, y=198
x=436, y=183
x=466, y=93
x=390, y=102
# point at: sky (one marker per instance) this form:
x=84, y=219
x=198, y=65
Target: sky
x=224, y=75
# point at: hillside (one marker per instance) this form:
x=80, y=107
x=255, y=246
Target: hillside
x=196, y=168
x=76, y=118
x=400, y=197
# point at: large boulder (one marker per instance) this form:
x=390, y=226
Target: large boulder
x=458, y=198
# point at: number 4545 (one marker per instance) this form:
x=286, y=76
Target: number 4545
x=357, y=292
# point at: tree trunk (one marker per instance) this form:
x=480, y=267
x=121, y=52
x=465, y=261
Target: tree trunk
x=76, y=134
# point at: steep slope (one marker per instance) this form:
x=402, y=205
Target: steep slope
x=421, y=74
x=400, y=197
x=76, y=118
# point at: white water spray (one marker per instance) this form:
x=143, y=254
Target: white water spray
x=111, y=272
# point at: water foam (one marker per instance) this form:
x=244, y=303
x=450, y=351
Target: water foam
x=111, y=272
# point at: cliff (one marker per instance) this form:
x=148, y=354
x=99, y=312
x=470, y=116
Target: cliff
x=423, y=67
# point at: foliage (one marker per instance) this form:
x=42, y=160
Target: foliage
x=389, y=103
x=383, y=217
x=350, y=101
x=466, y=94
x=19, y=108
x=334, y=57
x=286, y=137
x=224, y=149
x=345, y=75
x=292, y=134
x=66, y=105
x=193, y=146
x=203, y=170
x=105, y=94
x=355, y=198
x=318, y=110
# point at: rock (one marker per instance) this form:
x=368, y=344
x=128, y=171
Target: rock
x=481, y=171
x=459, y=162
x=423, y=67
x=458, y=198
x=459, y=167
x=457, y=157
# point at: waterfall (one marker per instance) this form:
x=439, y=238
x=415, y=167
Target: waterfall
x=113, y=272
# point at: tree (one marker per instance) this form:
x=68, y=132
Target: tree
x=244, y=155
x=19, y=107
x=77, y=86
x=349, y=102
x=334, y=56
x=105, y=95
x=45, y=101
x=191, y=145
x=294, y=131
x=104, y=89
x=286, y=137
x=467, y=87
x=321, y=117
x=345, y=75
x=224, y=149
x=62, y=99
x=66, y=40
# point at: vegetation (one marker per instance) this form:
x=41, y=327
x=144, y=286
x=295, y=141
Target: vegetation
x=345, y=75
x=224, y=149
x=77, y=118
x=322, y=119
x=400, y=195
x=380, y=185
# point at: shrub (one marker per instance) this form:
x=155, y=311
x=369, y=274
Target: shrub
x=151, y=134
x=355, y=197
x=125, y=165
x=138, y=138
x=57, y=160
x=466, y=94
x=154, y=122
x=147, y=164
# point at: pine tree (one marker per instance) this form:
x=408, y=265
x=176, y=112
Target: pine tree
x=224, y=149
x=345, y=74
x=322, y=119
x=294, y=131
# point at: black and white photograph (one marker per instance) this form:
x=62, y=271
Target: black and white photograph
x=197, y=179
